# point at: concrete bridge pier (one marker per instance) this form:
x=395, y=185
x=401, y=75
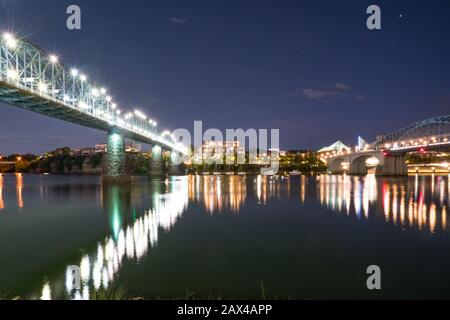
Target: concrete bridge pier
x=114, y=161
x=176, y=165
x=157, y=166
x=394, y=165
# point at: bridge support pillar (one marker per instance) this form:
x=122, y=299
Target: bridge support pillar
x=114, y=162
x=157, y=162
x=359, y=169
x=176, y=166
x=394, y=165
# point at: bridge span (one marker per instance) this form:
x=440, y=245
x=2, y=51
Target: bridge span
x=359, y=163
x=386, y=156
x=35, y=80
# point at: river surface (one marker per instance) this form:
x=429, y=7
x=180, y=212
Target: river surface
x=295, y=237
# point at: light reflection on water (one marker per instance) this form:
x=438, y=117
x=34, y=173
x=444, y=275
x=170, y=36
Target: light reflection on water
x=419, y=203
x=2, y=204
x=218, y=192
x=130, y=242
x=19, y=187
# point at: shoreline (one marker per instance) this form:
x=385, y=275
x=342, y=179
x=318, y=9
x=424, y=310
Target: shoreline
x=411, y=173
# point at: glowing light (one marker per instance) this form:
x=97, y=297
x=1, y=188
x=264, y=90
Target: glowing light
x=372, y=162
x=128, y=116
x=12, y=74
x=83, y=77
x=108, y=98
x=46, y=292
x=74, y=72
x=11, y=42
x=96, y=275
x=85, y=268
x=95, y=92
x=103, y=91
x=345, y=165
x=53, y=58
x=83, y=105
x=115, y=137
x=156, y=149
x=140, y=114
x=42, y=87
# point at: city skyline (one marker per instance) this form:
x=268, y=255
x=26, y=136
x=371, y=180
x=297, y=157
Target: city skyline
x=261, y=62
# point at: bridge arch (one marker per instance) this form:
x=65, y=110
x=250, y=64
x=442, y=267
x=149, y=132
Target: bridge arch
x=360, y=165
x=432, y=128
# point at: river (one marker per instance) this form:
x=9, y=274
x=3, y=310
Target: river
x=298, y=237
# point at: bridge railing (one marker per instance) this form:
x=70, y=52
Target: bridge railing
x=26, y=67
x=428, y=128
x=435, y=140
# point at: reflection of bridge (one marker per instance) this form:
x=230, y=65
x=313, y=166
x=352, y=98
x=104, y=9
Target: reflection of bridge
x=130, y=240
x=387, y=154
x=37, y=81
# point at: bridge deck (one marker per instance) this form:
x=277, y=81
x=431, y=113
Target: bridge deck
x=50, y=107
x=33, y=80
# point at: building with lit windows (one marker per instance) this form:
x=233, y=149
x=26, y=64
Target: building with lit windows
x=215, y=149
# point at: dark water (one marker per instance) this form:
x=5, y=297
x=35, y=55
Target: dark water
x=226, y=236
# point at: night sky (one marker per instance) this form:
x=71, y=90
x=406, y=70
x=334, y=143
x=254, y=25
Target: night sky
x=310, y=68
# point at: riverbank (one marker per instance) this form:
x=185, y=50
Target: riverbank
x=429, y=169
